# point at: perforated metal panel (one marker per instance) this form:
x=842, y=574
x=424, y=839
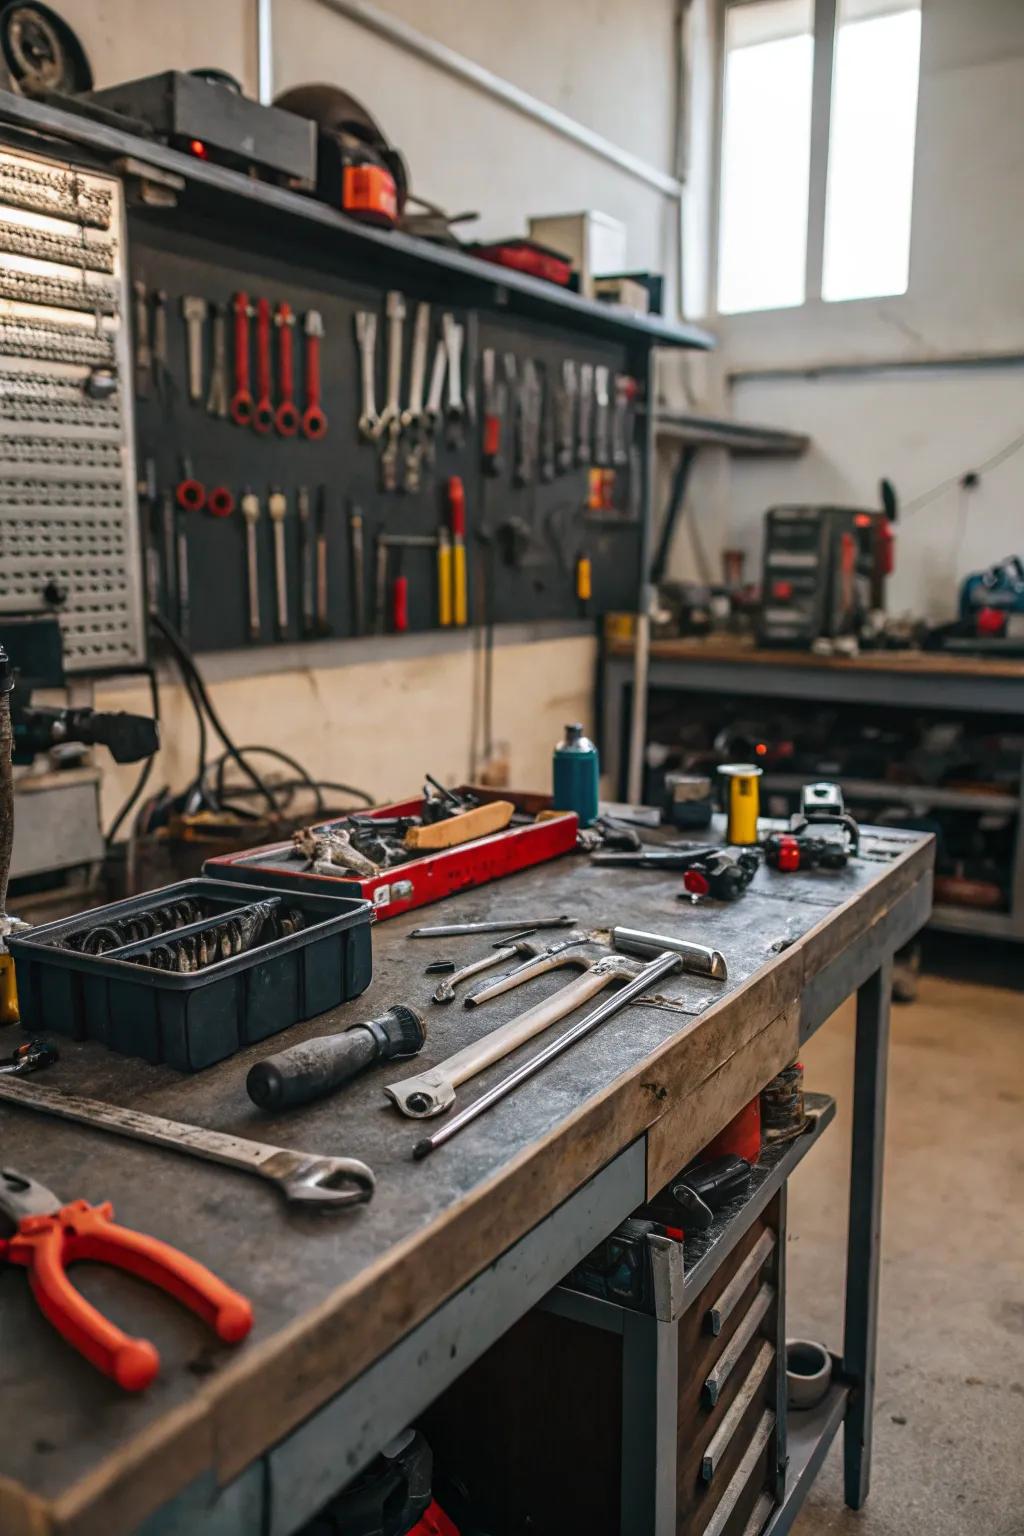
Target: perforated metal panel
x=68, y=523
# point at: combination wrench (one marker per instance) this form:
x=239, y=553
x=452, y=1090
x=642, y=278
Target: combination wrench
x=314, y=422
x=586, y=413
x=301, y=1177
x=390, y=419
x=455, y=409
x=217, y=397
x=366, y=340
x=601, y=411
x=194, y=311
x=412, y=416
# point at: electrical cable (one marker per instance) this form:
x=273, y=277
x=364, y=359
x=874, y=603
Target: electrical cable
x=143, y=777
x=992, y=462
x=305, y=778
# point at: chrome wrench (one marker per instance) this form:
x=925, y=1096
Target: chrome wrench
x=301, y=1177
x=455, y=408
x=390, y=420
x=566, y=407
x=366, y=340
x=601, y=404
x=432, y=410
x=250, y=510
x=412, y=416
x=277, y=508
x=217, y=397
x=194, y=310
x=444, y=992
x=586, y=412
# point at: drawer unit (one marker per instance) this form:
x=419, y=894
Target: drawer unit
x=589, y=1418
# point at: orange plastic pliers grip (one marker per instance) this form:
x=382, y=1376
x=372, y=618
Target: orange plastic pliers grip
x=50, y=1236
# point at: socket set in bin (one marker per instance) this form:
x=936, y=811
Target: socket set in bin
x=190, y=974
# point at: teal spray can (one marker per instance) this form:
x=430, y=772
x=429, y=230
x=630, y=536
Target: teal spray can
x=576, y=773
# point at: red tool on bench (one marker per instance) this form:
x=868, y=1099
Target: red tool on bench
x=50, y=1235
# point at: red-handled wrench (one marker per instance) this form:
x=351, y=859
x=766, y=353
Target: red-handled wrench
x=241, y=400
x=263, y=410
x=50, y=1236
x=314, y=422
x=287, y=417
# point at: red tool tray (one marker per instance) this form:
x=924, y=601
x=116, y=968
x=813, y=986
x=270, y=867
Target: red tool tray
x=423, y=880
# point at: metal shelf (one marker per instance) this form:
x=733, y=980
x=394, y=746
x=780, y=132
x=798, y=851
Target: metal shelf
x=975, y=920
x=903, y=794
x=396, y=257
x=809, y=1433
x=738, y=437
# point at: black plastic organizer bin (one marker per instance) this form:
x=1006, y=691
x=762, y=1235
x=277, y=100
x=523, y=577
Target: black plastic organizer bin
x=190, y=1020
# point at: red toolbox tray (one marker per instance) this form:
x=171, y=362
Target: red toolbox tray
x=422, y=880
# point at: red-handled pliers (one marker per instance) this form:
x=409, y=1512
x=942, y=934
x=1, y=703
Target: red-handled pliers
x=50, y=1236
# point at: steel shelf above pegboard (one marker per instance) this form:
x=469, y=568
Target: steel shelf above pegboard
x=399, y=257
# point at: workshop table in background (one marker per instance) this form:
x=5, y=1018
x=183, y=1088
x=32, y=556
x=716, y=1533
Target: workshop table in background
x=911, y=680
x=363, y=1319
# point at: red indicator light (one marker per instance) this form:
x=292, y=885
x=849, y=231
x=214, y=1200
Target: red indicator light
x=198, y=148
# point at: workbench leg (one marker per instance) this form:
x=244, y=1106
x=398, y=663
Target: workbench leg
x=650, y=1409
x=864, y=1240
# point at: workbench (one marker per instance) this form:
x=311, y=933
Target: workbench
x=912, y=680
x=364, y=1317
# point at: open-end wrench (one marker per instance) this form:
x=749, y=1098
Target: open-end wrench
x=566, y=407
x=143, y=346
x=586, y=413
x=250, y=509
x=263, y=410
x=286, y=418
x=194, y=310
x=601, y=405
x=302, y=1178
x=390, y=420
x=241, y=400
x=217, y=397
x=314, y=422
x=455, y=409
x=277, y=508
x=412, y=416
x=366, y=340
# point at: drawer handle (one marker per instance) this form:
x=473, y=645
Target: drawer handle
x=741, y=1477
x=719, y=1441
x=737, y=1344
x=721, y=1310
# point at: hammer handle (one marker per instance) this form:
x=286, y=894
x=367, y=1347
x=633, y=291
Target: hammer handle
x=508, y=1037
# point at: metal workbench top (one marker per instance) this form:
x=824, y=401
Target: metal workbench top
x=333, y=1294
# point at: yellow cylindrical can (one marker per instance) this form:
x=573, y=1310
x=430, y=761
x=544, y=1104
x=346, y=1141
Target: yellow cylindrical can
x=742, y=802
x=8, y=990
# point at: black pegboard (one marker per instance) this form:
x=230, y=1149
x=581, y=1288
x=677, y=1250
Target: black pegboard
x=194, y=255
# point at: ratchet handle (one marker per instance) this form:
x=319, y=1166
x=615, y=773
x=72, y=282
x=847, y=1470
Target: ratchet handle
x=45, y=1245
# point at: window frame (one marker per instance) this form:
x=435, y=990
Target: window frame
x=824, y=33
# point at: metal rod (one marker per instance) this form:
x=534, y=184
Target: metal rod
x=393, y=30
x=661, y=966
x=265, y=51
x=497, y=925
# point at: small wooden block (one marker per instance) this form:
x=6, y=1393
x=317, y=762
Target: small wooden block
x=478, y=822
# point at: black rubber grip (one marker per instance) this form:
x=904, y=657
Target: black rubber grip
x=309, y=1071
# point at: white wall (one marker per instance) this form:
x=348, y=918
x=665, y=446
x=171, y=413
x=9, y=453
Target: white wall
x=966, y=296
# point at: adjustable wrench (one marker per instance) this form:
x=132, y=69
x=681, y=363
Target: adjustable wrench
x=455, y=409
x=241, y=400
x=601, y=402
x=250, y=509
x=566, y=409
x=143, y=346
x=314, y=422
x=586, y=411
x=366, y=340
x=217, y=398
x=263, y=410
x=277, y=507
x=286, y=418
x=390, y=420
x=194, y=311
x=331, y=1182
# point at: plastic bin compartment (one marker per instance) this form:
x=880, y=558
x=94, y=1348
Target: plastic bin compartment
x=191, y=1020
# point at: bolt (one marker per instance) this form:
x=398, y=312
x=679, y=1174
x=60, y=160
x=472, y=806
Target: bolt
x=419, y=1103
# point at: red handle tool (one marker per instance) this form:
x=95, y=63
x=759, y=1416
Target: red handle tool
x=314, y=422
x=241, y=400
x=189, y=493
x=263, y=410
x=220, y=502
x=50, y=1236
x=287, y=418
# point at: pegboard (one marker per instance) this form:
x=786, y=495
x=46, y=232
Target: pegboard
x=522, y=540
x=68, y=524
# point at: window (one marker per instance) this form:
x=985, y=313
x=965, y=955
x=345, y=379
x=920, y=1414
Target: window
x=871, y=151
x=766, y=145
x=816, y=175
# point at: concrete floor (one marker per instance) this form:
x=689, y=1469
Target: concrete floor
x=949, y=1414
